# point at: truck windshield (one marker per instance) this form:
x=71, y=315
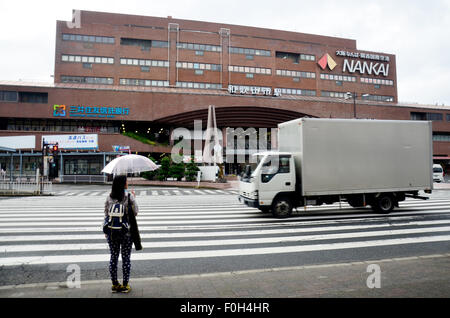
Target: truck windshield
x=274, y=165
x=437, y=170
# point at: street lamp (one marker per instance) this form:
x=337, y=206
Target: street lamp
x=354, y=95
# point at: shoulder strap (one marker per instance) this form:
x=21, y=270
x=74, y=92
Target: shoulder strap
x=129, y=206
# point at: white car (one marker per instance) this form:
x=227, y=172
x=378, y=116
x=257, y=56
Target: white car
x=438, y=173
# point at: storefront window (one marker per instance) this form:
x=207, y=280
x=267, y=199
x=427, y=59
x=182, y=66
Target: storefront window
x=91, y=166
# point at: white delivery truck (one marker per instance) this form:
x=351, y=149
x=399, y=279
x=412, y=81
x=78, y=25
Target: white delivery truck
x=323, y=161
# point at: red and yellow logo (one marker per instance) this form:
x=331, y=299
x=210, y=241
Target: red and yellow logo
x=327, y=60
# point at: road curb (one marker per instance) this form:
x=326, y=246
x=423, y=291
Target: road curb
x=63, y=285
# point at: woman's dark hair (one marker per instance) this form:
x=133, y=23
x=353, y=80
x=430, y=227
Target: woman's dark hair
x=118, y=188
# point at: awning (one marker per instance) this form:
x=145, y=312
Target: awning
x=7, y=149
x=441, y=158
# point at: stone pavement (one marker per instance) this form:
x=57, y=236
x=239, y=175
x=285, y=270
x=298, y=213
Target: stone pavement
x=411, y=277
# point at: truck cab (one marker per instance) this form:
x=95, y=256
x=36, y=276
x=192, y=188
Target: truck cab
x=273, y=178
x=438, y=173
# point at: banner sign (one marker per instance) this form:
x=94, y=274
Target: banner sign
x=77, y=142
x=121, y=148
x=89, y=111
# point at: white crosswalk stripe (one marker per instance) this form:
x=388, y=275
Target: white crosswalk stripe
x=61, y=230
x=141, y=193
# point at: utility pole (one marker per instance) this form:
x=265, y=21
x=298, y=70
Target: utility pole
x=348, y=95
x=354, y=95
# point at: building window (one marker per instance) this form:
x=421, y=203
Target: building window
x=87, y=80
x=294, y=57
x=247, y=69
x=143, y=82
x=335, y=77
x=160, y=44
x=33, y=97
x=295, y=74
x=249, y=53
x=135, y=42
x=140, y=62
x=378, y=98
x=441, y=137
x=88, y=38
x=144, y=44
x=377, y=81
x=8, y=96
x=296, y=91
x=307, y=57
x=427, y=116
x=199, y=66
x=333, y=94
x=418, y=116
x=87, y=59
x=199, y=47
x=435, y=117
x=198, y=85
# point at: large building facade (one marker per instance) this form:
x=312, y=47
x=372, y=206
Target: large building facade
x=124, y=83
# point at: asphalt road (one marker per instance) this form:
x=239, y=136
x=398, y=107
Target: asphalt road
x=185, y=232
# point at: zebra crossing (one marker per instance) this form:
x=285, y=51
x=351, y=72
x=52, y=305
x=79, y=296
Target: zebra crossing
x=179, y=191
x=60, y=230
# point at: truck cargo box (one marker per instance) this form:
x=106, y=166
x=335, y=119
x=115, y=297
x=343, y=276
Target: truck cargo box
x=342, y=156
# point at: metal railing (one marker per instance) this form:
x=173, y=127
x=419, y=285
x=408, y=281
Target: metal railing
x=83, y=178
x=22, y=187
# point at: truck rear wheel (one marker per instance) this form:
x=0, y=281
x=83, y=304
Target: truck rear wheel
x=282, y=207
x=385, y=203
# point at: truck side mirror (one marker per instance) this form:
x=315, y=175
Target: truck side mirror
x=246, y=174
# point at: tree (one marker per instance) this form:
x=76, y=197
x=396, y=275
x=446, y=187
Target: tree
x=191, y=170
x=176, y=170
x=163, y=171
x=150, y=175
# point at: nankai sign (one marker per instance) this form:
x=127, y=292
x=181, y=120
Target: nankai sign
x=364, y=67
x=371, y=64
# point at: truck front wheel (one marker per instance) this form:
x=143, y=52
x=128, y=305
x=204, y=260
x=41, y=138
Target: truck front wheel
x=384, y=204
x=282, y=207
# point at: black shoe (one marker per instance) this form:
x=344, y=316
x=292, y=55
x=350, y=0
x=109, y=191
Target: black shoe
x=125, y=289
x=116, y=288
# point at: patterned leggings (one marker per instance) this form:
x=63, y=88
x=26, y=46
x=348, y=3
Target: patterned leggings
x=123, y=244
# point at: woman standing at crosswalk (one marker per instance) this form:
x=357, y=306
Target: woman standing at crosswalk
x=122, y=242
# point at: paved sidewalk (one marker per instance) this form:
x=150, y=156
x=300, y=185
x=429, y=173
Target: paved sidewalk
x=424, y=276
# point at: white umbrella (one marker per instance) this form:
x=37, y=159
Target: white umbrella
x=129, y=164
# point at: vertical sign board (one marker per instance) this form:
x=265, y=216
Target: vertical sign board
x=73, y=142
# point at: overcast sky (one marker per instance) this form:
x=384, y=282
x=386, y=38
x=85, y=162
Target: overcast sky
x=416, y=31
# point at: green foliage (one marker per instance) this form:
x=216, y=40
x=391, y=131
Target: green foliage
x=191, y=170
x=176, y=170
x=171, y=169
x=150, y=175
x=163, y=171
x=144, y=139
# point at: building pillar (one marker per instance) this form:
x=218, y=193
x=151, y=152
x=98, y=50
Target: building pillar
x=173, y=38
x=274, y=138
x=224, y=57
x=20, y=163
